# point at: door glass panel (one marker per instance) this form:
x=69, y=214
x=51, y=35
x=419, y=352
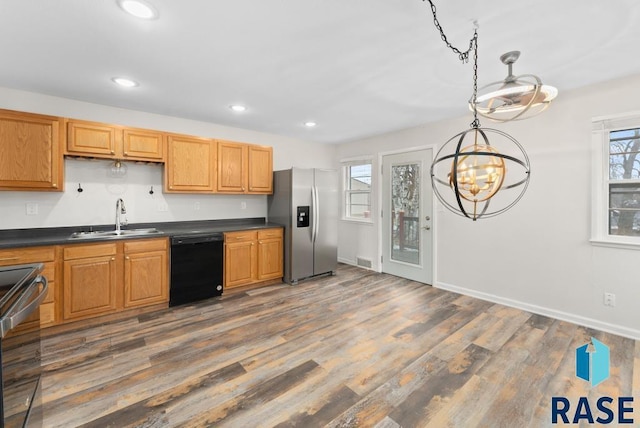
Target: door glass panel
x=405, y=215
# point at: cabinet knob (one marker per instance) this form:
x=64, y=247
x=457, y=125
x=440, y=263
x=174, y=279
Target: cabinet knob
x=243, y=188
x=127, y=258
x=126, y=154
x=112, y=152
x=54, y=185
x=113, y=259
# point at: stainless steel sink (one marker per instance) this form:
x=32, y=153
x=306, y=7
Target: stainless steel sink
x=113, y=233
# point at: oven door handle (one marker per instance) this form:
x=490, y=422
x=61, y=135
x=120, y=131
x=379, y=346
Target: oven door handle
x=21, y=311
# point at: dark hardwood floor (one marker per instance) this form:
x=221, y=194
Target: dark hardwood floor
x=358, y=349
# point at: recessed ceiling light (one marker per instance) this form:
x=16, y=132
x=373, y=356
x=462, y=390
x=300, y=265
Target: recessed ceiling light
x=238, y=108
x=138, y=8
x=310, y=124
x=124, y=82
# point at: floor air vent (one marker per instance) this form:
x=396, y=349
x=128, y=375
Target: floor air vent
x=363, y=262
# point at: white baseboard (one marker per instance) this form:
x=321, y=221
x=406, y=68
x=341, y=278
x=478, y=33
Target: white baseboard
x=540, y=310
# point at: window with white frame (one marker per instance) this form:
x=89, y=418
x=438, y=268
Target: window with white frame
x=624, y=182
x=617, y=198
x=357, y=190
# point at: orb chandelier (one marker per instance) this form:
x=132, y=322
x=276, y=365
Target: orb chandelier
x=515, y=97
x=480, y=172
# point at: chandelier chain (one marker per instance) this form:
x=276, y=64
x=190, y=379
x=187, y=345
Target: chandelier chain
x=464, y=57
x=476, y=121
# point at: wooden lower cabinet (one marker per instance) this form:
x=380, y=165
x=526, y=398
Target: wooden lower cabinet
x=270, y=257
x=240, y=258
x=100, y=279
x=145, y=273
x=252, y=256
x=90, y=281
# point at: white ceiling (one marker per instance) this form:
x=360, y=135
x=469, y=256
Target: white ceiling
x=356, y=67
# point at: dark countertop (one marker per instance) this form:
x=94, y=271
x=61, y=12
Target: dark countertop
x=13, y=238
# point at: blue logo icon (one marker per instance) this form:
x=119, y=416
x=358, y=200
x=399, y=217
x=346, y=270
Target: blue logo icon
x=592, y=362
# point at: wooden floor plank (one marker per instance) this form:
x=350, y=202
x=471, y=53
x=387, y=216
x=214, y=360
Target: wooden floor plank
x=358, y=349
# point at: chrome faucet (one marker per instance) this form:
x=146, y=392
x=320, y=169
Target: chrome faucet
x=120, y=209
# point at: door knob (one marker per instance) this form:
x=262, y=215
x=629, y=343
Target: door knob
x=426, y=227
x=427, y=218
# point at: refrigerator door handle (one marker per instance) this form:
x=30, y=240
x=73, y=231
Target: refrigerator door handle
x=315, y=211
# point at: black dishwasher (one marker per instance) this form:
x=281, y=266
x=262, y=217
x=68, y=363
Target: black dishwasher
x=197, y=263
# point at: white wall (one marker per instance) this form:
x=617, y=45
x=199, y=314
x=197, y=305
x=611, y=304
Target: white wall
x=537, y=255
x=96, y=204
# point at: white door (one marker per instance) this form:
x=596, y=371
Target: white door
x=407, y=212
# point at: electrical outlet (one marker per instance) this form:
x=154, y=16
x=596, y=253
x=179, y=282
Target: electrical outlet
x=31, y=208
x=609, y=299
x=243, y=205
x=196, y=206
x=163, y=207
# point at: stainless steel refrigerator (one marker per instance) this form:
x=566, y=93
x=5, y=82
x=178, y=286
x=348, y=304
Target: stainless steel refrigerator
x=306, y=202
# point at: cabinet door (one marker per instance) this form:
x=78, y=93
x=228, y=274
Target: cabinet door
x=30, y=153
x=232, y=167
x=191, y=165
x=145, y=278
x=140, y=144
x=260, y=169
x=93, y=139
x=89, y=287
x=269, y=258
x=239, y=263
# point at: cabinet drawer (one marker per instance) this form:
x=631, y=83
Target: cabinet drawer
x=26, y=255
x=145, y=245
x=270, y=233
x=82, y=251
x=243, y=236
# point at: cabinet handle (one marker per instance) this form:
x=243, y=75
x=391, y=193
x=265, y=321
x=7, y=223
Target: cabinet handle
x=259, y=242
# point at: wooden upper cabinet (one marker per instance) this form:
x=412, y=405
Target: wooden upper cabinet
x=232, y=167
x=260, y=169
x=90, y=138
x=30, y=152
x=143, y=144
x=190, y=165
x=114, y=142
x=244, y=168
